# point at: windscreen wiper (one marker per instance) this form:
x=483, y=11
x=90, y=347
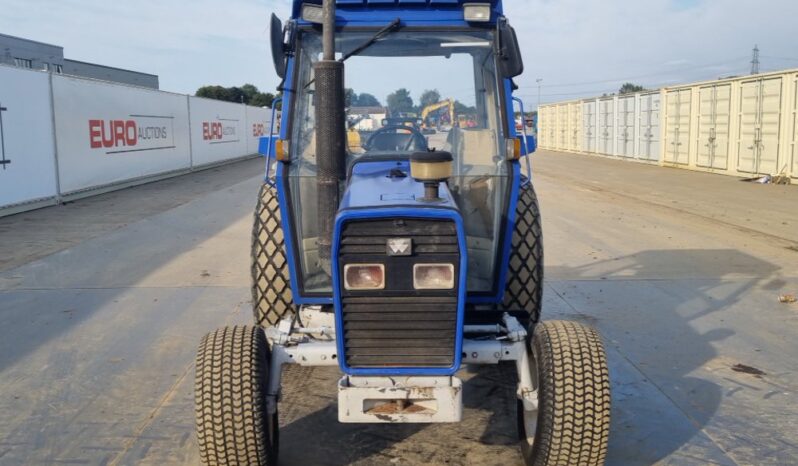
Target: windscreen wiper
x=394, y=26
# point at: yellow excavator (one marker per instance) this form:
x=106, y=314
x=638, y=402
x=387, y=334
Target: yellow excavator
x=429, y=109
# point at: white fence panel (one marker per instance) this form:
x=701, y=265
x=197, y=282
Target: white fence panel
x=218, y=131
x=258, y=120
x=108, y=134
x=27, y=158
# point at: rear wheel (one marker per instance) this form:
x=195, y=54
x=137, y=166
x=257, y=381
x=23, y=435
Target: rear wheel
x=271, y=283
x=572, y=421
x=233, y=426
x=524, y=289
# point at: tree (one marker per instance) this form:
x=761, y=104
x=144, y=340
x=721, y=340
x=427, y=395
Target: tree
x=400, y=101
x=262, y=99
x=250, y=91
x=629, y=88
x=367, y=100
x=213, y=92
x=350, y=97
x=248, y=94
x=429, y=97
x=460, y=108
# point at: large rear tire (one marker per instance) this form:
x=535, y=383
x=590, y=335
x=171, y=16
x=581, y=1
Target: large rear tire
x=524, y=289
x=271, y=282
x=233, y=425
x=572, y=423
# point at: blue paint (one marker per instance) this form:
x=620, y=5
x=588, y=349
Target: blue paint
x=346, y=215
x=431, y=11
x=370, y=186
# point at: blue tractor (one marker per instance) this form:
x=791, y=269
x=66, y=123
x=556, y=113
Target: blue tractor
x=396, y=256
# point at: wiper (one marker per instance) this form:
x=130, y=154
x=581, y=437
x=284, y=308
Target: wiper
x=394, y=26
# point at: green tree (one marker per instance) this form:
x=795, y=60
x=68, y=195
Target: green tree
x=460, y=108
x=400, y=101
x=367, y=100
x=630, y=88
x=262, y=99
x=429, y=97
x=350, y=97
x=213, y=92
x=250, y=91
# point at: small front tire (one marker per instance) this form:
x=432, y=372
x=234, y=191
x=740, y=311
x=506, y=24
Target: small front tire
x=233, y=425
x=572, y=421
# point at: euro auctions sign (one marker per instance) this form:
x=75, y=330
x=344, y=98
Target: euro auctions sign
x=134, y=133
x=223, y=130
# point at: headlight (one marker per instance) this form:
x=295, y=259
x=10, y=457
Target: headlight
x=364, y=276
x=433, y=276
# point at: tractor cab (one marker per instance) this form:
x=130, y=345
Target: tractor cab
x=395, y=254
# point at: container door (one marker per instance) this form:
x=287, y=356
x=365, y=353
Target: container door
x=770, y=127
x=747, y=126
x=678, y=131
x=794, y=147
x=649, y=127
x=626, y=126
x=758, y=124
x=606, y=126
x=722, y=119
x=562, y=111
x=576, y=126
x=589, y=115
x=706, y=126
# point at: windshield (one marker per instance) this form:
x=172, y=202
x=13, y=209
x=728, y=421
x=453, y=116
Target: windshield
x=410, y=91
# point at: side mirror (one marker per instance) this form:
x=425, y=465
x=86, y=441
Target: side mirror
x=278, y=46
x=511, y=64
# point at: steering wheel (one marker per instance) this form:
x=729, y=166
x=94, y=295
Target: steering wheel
x=415, y=136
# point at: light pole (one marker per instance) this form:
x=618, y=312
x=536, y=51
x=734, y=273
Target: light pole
x=539, y=80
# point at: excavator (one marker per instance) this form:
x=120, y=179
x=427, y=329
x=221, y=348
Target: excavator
x=429, y=110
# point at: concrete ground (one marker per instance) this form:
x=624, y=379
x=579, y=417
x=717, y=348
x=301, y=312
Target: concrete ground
x=103, y=301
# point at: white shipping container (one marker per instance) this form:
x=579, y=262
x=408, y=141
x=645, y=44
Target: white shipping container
x=107, y=133
x=27, y=150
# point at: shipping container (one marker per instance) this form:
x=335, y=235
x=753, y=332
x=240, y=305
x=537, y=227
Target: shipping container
x=562, y=127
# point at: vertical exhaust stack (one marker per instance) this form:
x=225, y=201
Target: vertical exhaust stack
x=330, y=134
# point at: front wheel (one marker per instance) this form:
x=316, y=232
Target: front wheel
x=233, y=425
x=572, y=421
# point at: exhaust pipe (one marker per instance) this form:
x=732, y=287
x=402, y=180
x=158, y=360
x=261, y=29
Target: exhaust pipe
x=330, y=134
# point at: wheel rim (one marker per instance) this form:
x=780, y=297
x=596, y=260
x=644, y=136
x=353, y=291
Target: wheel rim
x=529, y=417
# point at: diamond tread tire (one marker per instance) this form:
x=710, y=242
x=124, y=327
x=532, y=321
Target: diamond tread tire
x=232, y=371
x=271, y=283
x=573, y=421
x=524, y=289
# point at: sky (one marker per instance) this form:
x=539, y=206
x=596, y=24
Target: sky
x=579, y=48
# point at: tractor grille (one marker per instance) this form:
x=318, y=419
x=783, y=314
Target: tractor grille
x=399, y=326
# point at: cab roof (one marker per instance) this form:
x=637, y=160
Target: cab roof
x=432, y=8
